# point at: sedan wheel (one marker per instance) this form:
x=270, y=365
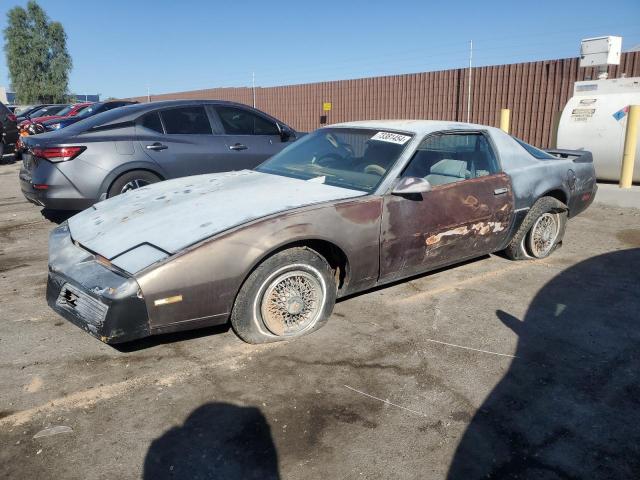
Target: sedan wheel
x=544, y=234
x=131, y=181
x=133, y=184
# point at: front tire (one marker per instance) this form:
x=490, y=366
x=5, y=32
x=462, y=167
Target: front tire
x=541, y=230
x=288, y=295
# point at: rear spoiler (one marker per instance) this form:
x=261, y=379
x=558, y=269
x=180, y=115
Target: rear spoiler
x=578, y=156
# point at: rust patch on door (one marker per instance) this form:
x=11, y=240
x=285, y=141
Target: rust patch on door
x=480, y=228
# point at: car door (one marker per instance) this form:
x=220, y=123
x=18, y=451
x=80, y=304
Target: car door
x=181, y=140
x=250, y=137
x=467, y=213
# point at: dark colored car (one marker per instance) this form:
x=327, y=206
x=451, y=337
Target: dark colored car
x=28, y=112
x=86, y=112
x=344, y=209
x=129, y=147
x=8, y=130
x=70, y=110
x=47, y=111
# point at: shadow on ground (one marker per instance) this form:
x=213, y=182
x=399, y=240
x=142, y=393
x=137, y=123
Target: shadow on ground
x=57, y=216
x=217, y=441
x=569, y=406
x=165, y=338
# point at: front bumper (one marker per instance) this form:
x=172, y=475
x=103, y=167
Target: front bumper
x=104, y=302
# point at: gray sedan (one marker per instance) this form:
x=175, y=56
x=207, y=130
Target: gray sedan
x=129, y=147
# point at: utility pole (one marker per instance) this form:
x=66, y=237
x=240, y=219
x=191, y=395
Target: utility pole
x=253, y=87
x=148, y=95
x=469, y=86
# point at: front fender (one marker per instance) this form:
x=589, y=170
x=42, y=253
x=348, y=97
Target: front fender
x=209, y=274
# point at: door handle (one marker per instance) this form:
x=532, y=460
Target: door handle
x=238, y=146
x=157, y=146
x=500, y=191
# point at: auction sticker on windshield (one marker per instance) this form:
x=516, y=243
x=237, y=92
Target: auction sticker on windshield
x=391, y=137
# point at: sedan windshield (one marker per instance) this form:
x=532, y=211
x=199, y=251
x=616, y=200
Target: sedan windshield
x=88, y=110
x=354, y=158
x=65, y=110
x=46, y=111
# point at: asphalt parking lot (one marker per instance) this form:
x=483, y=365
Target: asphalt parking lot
x=493, y=368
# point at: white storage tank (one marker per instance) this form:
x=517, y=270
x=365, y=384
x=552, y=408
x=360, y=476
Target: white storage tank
x=595, y=119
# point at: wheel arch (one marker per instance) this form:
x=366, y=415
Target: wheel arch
x=330, y=251
x=557, y=193
x=125, y=168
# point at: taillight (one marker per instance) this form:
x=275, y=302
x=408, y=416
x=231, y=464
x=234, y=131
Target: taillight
x=58, y=154
x=12, y=118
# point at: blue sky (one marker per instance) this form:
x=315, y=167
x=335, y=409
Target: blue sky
x=119, y=47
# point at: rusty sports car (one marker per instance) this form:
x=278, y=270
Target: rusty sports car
x=344, y=209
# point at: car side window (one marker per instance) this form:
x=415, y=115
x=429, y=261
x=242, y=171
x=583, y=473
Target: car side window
x=238, y=121
x=152, y=122
x=186, y=121
x=452, y=157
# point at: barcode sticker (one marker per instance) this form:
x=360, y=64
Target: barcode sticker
x=391, y=137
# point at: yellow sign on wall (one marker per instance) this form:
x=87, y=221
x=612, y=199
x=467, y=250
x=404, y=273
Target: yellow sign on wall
x=326, y=106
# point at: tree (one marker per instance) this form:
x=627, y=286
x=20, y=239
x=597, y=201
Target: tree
x=37, y=56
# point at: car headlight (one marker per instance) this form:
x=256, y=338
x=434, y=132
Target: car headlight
x=54, y=126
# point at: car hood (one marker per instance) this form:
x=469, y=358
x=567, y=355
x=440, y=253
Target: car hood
x=142, y=226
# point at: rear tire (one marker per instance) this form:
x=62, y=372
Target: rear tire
x=288, y=295
x=541, y=231
x=131, y=181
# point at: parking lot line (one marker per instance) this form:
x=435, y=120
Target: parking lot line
x=469, y=348
x=386, y=401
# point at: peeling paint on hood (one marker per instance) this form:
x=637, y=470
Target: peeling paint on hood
x=174, y=214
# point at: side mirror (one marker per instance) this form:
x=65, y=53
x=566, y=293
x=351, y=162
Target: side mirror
x=285, y=132
x=411, y=186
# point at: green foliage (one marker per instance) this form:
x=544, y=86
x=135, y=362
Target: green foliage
x=37, y=56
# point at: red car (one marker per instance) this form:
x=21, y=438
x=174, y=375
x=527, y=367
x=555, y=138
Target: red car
x=68, y=111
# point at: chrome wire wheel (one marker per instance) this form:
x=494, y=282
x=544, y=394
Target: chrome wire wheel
x=292, y=303
x=544, y=234
x=133, y=184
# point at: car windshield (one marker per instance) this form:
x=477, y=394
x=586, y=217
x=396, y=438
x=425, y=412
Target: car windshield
x=40, y=112
x=46, y=111
x=65, y=110
x=88, y=110
x=353, y=158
